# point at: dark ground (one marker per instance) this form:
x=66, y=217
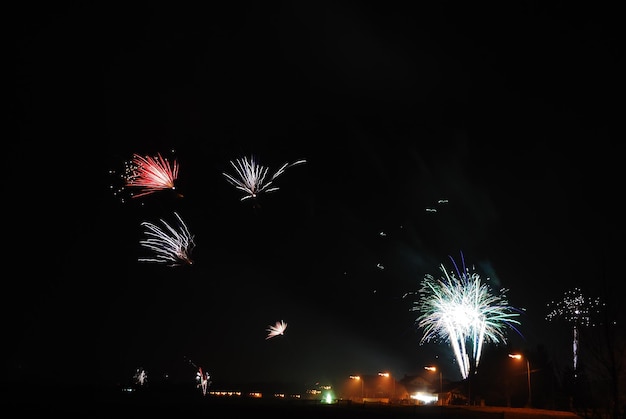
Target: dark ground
x=40, y=403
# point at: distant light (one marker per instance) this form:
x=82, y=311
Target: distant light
x=328, y=398
x=426, y=398
x=225, y=393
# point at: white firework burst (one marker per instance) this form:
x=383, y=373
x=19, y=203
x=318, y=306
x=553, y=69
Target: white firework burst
x=140, y=377
x=252, y=178
x=171, y=246
x=577, y=309
x=276, y=329
x=462, y=310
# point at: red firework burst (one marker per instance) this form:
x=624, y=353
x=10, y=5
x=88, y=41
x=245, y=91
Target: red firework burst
x=151, y=174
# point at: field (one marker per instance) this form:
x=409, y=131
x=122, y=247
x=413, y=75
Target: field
x=195, y=406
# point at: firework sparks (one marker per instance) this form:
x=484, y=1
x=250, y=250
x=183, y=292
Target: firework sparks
x=150, y=174
x=576, y=309
x=172, y=246
x=251, y=177
x=461, y=309
x=276, y=330
x=204, y=380
x=140, y=377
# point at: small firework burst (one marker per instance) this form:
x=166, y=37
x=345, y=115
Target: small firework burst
x=203, y=379
x=251, y=177
x=141, y=377
x=150, y=174
x=278, y=329
x=574, y=308
x=577, y=310
x=172, y=246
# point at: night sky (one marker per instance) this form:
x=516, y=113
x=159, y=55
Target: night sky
x=509, y=112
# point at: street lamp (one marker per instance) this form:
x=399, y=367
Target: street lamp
x=358, y=378
x=388, y=375
x=518, y=356
x=434, y=369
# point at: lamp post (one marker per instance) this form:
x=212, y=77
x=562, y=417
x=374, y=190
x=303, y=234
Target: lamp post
x=434, y=369
x=358, y=378
x=393, y=382
x=518, y=356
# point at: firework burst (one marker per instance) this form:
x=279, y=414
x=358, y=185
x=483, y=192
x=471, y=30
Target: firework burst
x=141, y=377
x=171, y=246
x=203, y=379
x=577, y=310
x=150, y=174
x=252, y=178
x=460, y=309
x=277, y=329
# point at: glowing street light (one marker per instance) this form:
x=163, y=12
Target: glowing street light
x=388, y=375
x=434, y=369
x=518, y=356
x=358, y=378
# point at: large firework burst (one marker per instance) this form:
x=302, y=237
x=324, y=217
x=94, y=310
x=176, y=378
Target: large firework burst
x=172, y=246
x=251, y=177
x=461, y=309
x=150, y=174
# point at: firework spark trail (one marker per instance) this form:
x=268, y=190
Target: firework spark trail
x=150, y=174
x=171, y=246
x=460, y=309
x=276, y=329
x=203, y=379
x=251, y=176
x=576, y=309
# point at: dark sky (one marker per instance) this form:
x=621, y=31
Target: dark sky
x=507, y=111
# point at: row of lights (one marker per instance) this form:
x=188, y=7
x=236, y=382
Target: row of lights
x=380, y=374
x=434, y=369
